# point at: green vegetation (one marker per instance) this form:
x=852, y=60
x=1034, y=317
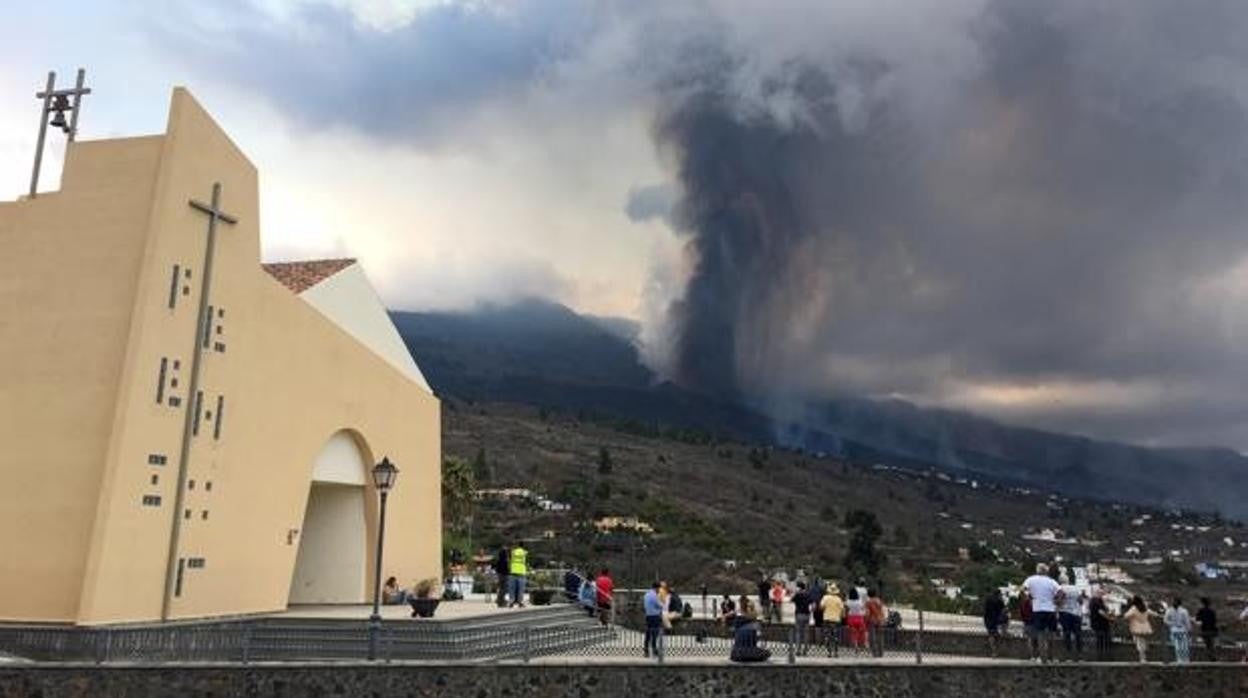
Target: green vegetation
x=863, y=557
x=459, y=486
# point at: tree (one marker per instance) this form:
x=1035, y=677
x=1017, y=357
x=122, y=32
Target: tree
x=862, y=556
x=459, y=487
x=604, y=461
x=481, y=466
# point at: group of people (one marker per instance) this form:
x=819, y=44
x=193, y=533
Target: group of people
x=662, y=607
x=511, y=566
x=1051, y=606
x=594, y=593
x=822, y=615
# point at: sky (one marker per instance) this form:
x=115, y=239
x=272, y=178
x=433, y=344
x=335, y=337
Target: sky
x=1029, y=210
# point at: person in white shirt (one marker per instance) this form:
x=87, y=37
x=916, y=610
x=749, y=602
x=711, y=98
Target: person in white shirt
x=1070, y=617
x=1179, y=622
x=1044, y=591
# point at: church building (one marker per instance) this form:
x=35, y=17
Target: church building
x=184, y=431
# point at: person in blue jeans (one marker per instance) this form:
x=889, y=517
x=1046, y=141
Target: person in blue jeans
x=1180, y=625
x=652, y=604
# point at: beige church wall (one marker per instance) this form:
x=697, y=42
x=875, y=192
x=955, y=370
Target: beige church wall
x=69, y=264
x=289, y=379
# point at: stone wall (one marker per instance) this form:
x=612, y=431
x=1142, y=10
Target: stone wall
x=633, y=680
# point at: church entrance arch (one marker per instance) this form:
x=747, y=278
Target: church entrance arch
x=331, y=565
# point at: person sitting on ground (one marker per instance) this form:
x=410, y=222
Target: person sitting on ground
x=392, y=593
x=745, y=647
x=1208, y=621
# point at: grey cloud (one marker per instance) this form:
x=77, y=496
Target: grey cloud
x=650, y=202
x=414, y=83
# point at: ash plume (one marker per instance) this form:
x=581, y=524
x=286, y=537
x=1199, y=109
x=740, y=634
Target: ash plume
x=1051, y=211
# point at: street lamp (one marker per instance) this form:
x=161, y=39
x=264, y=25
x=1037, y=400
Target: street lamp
x=384, y=475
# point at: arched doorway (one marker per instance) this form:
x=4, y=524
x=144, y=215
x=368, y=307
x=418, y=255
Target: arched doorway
x=331, y=564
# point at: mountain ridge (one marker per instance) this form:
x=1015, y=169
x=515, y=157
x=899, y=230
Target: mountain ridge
x=541, y=353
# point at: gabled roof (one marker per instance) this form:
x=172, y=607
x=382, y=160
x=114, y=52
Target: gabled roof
x=301, y=276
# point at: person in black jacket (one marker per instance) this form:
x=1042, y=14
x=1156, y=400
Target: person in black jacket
x=1102, y=624
x=994, y=612
x=1208, y=621
x=502, y=568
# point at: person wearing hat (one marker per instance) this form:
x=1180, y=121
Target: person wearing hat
x=833, y=607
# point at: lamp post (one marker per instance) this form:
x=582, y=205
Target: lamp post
x=384, y=475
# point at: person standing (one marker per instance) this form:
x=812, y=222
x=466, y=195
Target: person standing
x=764, y=598
x=1208, y=621
x=801, y=617
x=518, y=573
x=1043, y=591
x=1070, y=618
x=775, y=606
x=1029, y=626
x=588, y=596
x=502, y=568
x=877, y=616
x=833, y=617
x=727, y=611
x=1179, y=622
x=817, y=591
x=1137, y=617
x=856, y=620
x=653, y=606
x=994, y=612
x=1099, y=619
x=605, y=592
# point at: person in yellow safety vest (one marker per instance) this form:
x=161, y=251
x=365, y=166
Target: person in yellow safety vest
x=519, y=571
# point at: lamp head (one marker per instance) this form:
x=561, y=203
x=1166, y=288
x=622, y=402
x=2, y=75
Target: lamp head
x=385, y=475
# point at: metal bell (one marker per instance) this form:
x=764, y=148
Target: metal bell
x=58, y=119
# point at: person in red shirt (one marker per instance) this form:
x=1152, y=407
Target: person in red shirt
x=606, y=593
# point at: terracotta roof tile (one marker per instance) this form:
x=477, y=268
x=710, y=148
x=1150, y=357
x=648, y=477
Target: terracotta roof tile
x=301, y=276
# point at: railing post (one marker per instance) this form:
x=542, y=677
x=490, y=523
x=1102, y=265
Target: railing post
x=528, y=640
x=247, y=642
x=792, y=658
x=918, y=641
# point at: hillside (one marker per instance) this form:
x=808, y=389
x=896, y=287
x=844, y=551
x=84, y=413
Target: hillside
x=722, y=510
x=542, y=354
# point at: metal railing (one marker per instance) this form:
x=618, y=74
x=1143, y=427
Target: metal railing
x=569, y=630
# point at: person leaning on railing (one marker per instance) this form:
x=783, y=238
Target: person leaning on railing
x=604, y=595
